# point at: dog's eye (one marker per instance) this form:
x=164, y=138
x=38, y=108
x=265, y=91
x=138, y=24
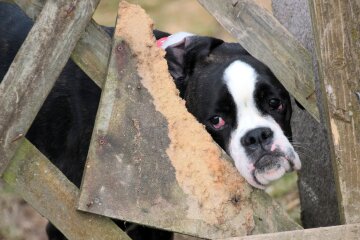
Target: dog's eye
x=276, y=104
x=217, y=122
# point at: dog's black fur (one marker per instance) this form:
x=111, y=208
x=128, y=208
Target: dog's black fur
x=63, y=127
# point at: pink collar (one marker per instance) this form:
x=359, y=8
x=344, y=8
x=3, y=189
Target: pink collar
x=160, y=42
x=173, y=40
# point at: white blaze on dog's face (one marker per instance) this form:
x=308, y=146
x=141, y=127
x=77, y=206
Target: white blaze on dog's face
x=258, y=146
x=241, y=103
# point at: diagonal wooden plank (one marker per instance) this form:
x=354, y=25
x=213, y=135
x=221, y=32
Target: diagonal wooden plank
x=42, y=185
x=36, y=68
x=337, y=37
x=344, y=232
x=258, y=31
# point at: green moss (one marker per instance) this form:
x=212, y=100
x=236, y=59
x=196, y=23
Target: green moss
x=355, y=35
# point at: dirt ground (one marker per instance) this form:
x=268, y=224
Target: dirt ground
x=18, y=221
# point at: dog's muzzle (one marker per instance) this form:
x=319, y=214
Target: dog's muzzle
x=267, y=158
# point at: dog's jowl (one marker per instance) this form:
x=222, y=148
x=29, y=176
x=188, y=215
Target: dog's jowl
x=238, y=99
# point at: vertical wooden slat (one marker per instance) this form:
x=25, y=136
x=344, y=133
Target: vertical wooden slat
x=319, y=205
x=36, y=68
x=337, y=37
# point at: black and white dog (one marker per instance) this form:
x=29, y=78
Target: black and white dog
x=239, y=100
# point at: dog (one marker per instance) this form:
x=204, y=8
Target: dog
x=241, y=103
x=236, y=97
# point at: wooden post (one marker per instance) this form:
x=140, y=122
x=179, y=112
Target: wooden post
x=337, y=37
x=36, y=68
x=42, y=185
x=266, y=39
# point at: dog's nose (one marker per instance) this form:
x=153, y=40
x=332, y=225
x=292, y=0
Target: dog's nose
x=257, y=137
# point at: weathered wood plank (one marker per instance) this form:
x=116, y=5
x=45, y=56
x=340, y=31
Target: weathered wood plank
x=42, y=185
x=337, y=37
x=140, y=155
x=319, y=205
x=265, y=38
x=92, y=51
x=36, y=68
x=344, y=232
x=267, y=4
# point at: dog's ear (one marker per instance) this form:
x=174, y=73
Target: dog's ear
x=183, y=56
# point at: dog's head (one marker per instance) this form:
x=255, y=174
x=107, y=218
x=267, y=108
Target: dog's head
x=240, y=101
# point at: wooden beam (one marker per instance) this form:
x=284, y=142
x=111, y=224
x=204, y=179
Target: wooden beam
x=345, y=232
x=36, y=68
x=42, y=185
x=91, y=52
x=337, y=37
x=258, y=31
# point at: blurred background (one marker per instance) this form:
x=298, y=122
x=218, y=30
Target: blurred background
x=169, y=16
x=18, y=221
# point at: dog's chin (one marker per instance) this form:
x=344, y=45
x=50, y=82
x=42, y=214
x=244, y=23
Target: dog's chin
x=268, y=168
x=263, y=176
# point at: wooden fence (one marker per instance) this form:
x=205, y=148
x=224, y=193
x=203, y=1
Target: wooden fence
x=337, y=38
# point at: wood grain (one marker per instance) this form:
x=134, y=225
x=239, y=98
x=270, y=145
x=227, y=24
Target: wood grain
x=346, y=232
x=337, y=37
